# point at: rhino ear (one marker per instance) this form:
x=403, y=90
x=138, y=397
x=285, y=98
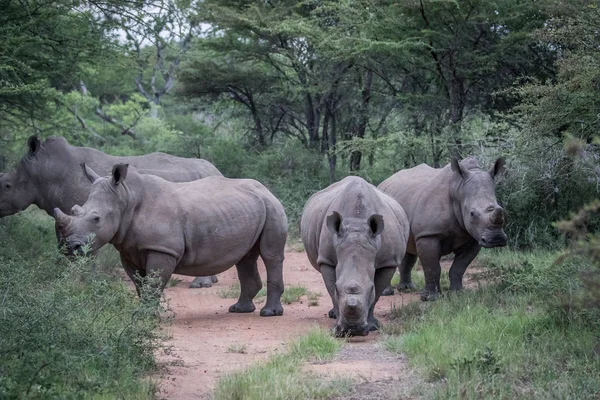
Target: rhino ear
x=119, y=173
x=33, y=144
x=460, y=169
x=376, y=224
x=498, y=167
x=334, y=222
x=91, y=175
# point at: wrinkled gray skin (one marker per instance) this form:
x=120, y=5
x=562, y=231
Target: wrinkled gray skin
x=356, y=236
x=50, y=176
x=451, y=210
x=197, y=228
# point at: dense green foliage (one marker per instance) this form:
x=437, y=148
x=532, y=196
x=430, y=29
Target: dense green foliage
x=67, y=330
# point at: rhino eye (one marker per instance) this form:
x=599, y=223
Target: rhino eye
x=7, y=186
x=96, y=220
x=473, y=214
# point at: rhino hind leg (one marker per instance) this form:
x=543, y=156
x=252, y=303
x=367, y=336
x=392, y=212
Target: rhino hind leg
x=203, y=282
x=250, y=284
x=430, y=253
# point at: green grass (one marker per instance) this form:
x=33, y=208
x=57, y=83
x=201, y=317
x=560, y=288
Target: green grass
x=292, y=294
x=313, y=299
x=282, y=376
x=508, y=340
x=66, y=329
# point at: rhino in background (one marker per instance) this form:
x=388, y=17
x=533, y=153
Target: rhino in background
x=451, y=210
x=194, y=228
x=50, y=175
x=355, y=235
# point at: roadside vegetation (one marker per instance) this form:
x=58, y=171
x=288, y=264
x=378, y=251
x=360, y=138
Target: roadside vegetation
x=67, y=329
x=282, y=376
x=529, y=333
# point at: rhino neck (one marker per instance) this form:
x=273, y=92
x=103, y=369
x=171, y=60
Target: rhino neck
x=131, y=196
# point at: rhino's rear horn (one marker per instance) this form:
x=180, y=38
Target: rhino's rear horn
x=497, y=216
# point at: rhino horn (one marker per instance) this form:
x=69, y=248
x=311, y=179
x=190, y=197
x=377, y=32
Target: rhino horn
x=62, y=219
x=497, y=216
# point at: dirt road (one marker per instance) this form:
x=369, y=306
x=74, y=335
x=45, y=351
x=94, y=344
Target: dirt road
x=204, y=336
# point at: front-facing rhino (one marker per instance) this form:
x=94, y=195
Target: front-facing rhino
x=197, y=228
x=451, y=209
x=356, y=236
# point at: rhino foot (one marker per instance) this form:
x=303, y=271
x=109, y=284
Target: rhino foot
x=242, y=308
x=203, y=282
x=408, y=286
x=388, y=291
x=374, y=325
x=214, y=279
x=271, y=312
x=333, y=313
x=428, y=296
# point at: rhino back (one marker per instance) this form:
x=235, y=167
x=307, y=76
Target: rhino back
x=60, y=180
x=210, y=223
x=424, y=194
x=353, y=197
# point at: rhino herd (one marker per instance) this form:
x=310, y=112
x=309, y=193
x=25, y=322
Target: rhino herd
x=166, y=215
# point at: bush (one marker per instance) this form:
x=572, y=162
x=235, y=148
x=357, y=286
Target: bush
x=67, y=330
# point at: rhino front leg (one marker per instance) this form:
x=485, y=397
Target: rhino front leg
x=203, y=282
x=382, y=279
x=429, y=251
x=159, y=268
x=250, y=284
x=462, y=258
x=328, y=273
x=136, y=275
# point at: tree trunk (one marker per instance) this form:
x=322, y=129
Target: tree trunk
x=331, y=156
x=356, y=155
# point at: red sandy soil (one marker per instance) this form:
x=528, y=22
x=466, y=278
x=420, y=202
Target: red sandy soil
x=203, y=330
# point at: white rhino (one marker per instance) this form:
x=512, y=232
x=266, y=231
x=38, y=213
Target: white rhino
x=197, y=228
x=50, y=176
x=355, y=235
x=450, y=209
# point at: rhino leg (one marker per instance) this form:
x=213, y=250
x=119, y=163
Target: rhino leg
x=463, y=257
x=382, y=279
x=203, y=282
x=328, y=273
x=250, y=284
x=272, y=251
x=429, y=251
x=408, y=262
x=161, y=266
x=136, y=275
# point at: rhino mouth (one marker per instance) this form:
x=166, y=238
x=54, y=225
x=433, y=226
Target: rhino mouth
x=490, y=240
x=342, y=330
x=73, y=248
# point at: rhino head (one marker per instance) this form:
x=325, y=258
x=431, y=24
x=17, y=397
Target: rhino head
x=356, y=243
x=96, y=222
x=17, y=191
x=476, y=204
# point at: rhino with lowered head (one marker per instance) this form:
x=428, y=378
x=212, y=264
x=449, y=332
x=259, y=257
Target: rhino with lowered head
x=50, y=176
x=451, y=210
x=356, y=236
x=197, y=228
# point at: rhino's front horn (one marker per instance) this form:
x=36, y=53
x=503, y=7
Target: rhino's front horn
x=497, y=217
x=62, y=219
